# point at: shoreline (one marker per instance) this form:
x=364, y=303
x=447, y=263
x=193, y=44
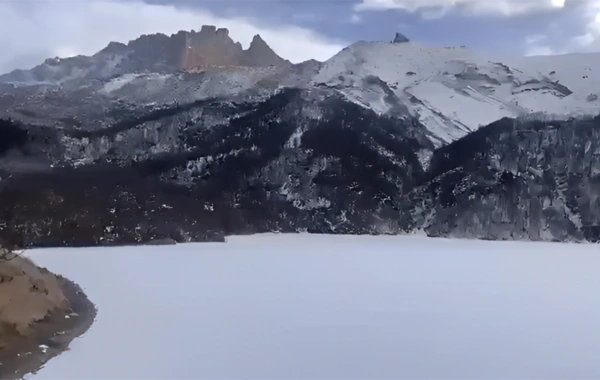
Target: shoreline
x=50, y=337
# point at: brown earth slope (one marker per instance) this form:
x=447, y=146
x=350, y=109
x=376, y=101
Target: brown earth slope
x=28, y=294
x=40, y=314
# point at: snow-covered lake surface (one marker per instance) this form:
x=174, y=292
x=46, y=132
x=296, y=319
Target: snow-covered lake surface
x=334, y=307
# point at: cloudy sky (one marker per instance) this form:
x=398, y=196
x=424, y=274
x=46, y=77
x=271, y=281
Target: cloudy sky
x=32, y=30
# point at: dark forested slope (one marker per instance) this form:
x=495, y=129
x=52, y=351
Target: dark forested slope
x=296, y=161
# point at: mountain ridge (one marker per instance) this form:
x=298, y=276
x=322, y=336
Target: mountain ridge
x=184, y=50
x=382, y=138
x=453, y=91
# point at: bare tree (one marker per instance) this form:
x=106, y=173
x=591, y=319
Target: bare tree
x=9, y=247
x=7, y=254
x=4, y=254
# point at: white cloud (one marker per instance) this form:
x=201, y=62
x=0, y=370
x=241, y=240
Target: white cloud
x=52, y=28
x=438, y=8
x=588, y=11
x=590, y=40
x=587, y=41
x=537, y=44
x=539, y=50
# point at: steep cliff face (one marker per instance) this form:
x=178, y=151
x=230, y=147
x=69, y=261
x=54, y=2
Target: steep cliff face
x=209, y=47
x=190, y=137
x=156, y=53
x=259, y=54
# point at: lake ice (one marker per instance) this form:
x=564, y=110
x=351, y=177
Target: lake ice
x=334, y=307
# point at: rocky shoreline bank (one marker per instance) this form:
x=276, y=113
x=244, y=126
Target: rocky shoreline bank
x=55, y=312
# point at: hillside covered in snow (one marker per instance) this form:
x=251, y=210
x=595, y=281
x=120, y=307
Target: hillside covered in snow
x=385, y=137
x=454, y=91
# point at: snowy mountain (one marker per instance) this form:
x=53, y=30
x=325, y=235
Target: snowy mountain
x=382, y=138
x=454, y=91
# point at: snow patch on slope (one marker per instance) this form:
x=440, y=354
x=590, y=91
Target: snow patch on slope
x=119, y=82
x=580, y=73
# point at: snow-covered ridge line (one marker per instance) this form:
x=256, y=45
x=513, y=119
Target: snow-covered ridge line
x=454, y=91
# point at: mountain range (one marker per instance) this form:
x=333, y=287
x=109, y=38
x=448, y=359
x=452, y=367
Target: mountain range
x=190, y=137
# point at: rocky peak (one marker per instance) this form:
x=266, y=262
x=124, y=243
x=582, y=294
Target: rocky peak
x=52, y=61
x=208, y=29
x=211, y=46
x=258, y=42
x=160, y=53
x=260, y=54
x=113, y=48
x=222, y=32
x=400, y=38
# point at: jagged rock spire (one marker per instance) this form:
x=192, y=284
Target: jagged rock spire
x=400, y=38
x=260, y=54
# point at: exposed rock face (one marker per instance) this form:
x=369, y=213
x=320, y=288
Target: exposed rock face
x=208, y=47
x=400, y=38
x=156, y=53
x=259, y=54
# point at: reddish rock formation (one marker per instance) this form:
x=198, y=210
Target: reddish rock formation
x=208, y=47
x=259, y=54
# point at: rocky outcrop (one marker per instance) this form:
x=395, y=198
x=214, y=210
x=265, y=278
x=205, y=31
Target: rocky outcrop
x=156, y=53
x=400, y=38
x=40, y=315
x=259, y=54
x=208, y=47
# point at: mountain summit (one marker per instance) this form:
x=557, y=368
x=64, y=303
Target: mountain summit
x=214, y=47
x=455, y=91
x=259, y=54
x=400, y=38
x=156, y=53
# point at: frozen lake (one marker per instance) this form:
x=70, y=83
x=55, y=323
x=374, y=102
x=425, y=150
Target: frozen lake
x=334, y=307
